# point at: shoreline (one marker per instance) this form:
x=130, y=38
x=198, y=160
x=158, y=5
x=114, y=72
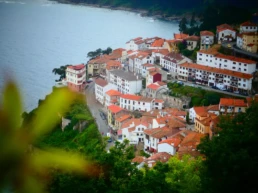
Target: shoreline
x=143, y=13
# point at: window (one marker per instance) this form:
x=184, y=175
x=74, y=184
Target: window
x=244, y=85
x=245, y=69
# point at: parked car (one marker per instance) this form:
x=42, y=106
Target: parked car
x=180, y=82
x=102, y=115
x=214, y=87
x=229, y=46
x=236, y=92
x=109, y=137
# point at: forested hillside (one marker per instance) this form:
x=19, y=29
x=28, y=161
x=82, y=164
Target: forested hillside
x=169, y=7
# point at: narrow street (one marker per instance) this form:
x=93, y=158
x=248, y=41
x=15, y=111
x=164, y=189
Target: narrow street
x=94, y=107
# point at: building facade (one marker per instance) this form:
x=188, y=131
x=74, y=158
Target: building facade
x=76, y=77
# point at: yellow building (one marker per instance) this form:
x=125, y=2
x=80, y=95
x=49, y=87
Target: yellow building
x=250, y=41
x=172, y=45
x=203, y=121
x=113, y=112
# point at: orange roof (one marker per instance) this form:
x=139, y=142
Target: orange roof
x=233, y=102
x=159, y=101
x=224, y=27
x=114, y=108
x=130, y=97
x=206, y=33
x=153, y=73
x=193, y=38
x=138, y=159
x=160, y=156
x=161, y=51
x=153, y=86
x=161, y=132
x=113, y=93
x=200, y=110
x=213, y=108
x=123, y=118
x=175, y=141
x=77, y=67
x=217, y=70
x=158, y=43
x=233, y=58
x=180, y=36
x=248, y=23
x=101, y=82
x=174, y=123
x=192, y=139
x=113, y=64
x=100, y=59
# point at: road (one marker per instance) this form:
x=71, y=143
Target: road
x=94, y=107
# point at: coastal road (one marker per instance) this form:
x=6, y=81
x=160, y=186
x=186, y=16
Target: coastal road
x=94, y=107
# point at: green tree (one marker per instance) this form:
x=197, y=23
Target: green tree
x=61, y=72
x=183, y=25
x=231, y=156
x=184, y=174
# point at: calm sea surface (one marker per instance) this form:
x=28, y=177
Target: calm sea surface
x=37, y=36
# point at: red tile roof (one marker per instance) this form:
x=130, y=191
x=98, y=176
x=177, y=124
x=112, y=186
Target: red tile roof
x=113, y=64
x=161, y=156
x=130, y=97
x=206, y=33
x=158, y=133
x=193, y=38
x=160, y=83
x=161, y=51
x=138, y=159
x=153, y=86
x=223, y=27
x=158, y=43
x=123, y=118
x=148, y=65
x=217, y=70
x=233, y=102
x=180, y=36
x=114, y=108
x=213, y=108
x=77, y=67
x=248, y=23
x=113, y=93
x=175, y=141
x=159, y=101
x=101, y=82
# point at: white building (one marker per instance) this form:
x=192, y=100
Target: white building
x=101, y=87
x=135, y=44
x=126, y=82
x=171, y=62
x=248, y=27
x=239, y=42
x=137, y=60
x=211, y=76
x=214, y=59
x=133, y=130
x=225, y=33
x=192, y=42
x=207, y=39
x=76, y=77
x=169, y=145
x=134, y=102
x=112, y=97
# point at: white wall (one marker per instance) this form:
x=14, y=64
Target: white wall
x=164, y=147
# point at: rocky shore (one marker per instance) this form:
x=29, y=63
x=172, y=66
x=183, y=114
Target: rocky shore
x=143, y=13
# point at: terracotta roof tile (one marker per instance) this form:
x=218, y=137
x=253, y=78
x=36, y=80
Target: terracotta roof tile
x=101, y=82
x=233, y=102
x=130, y=97
x=217, y=70
x=223, y=27
x=161, y=51
x=206, y=33
x=158, y=43
x=161, y=156
x=114, y=108
x=175, y=141
x=113, y=64
x=123, y=118
x=248, y=23
x=193, y=38
x=113, y=93
x=180, y=36
x=138, y=159
x=77, y=67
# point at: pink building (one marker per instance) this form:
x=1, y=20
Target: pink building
x=76, y=77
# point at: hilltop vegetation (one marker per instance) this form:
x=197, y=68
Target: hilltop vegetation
x=168, y=7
